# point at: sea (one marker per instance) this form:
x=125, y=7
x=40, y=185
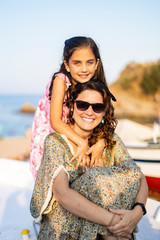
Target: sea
x=12, y=122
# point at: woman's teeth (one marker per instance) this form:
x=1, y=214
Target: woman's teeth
x=87, y=119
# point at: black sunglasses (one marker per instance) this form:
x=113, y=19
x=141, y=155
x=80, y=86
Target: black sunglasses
x=97, y=107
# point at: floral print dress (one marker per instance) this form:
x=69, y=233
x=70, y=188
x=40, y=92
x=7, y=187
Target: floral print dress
x=41, y=126
x=115, y=185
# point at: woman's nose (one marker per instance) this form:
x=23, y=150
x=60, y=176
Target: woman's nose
x=89, y=111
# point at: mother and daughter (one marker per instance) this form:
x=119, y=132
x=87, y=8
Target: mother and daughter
x=85, y=168
x=81, y=63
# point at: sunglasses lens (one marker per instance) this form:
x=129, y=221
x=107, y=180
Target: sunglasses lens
x=98, y=107
x=82, y=106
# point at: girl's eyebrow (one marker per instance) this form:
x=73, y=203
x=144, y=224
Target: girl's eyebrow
x=92, y=59
x=74, y=60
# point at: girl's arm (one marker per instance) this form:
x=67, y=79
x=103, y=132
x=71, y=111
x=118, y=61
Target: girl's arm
x=77, y=204
x=96, y=152
x=130, y=218
x=56, y=108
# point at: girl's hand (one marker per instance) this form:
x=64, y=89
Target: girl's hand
x=83, y=159
x=128, y=222
x=83, y=162
x=96, y=152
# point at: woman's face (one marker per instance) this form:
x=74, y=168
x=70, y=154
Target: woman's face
x=86, y=121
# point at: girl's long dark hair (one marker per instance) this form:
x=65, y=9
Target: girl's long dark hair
x=70, y=46
x=103, y=130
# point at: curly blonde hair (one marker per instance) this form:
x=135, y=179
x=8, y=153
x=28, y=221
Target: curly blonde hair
x=103, y=130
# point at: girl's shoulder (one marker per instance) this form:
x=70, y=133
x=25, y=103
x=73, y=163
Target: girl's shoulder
x=64, y=77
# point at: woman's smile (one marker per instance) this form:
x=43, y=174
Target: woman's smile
x=87, y=119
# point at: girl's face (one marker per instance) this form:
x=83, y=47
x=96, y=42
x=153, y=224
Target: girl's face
x=86, y=121
x=82, y=65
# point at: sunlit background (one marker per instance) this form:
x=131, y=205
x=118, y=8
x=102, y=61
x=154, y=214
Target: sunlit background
x=32, y=35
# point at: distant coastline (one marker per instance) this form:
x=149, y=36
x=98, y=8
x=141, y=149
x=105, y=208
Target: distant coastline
x=12, y=122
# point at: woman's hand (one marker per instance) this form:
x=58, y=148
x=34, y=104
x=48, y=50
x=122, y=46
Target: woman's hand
x=96, y=152
x=116, y=219
x=128, y=222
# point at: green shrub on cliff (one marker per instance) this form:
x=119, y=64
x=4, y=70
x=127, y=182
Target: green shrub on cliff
x=151, y=79
x=126, y=82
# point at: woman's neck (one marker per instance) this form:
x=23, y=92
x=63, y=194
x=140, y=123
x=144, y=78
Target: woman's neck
x=82, y=134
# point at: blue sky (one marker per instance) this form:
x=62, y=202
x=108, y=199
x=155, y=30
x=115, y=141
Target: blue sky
x=33, y=34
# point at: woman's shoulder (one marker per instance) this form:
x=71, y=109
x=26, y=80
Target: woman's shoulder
x=119, y=144
x=57, y=140
x=56, y=144
x=53, y=137
x=117, y=138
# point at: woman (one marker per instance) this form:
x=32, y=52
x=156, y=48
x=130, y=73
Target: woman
x=74, y=205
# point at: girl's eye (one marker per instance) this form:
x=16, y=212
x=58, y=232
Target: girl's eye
x=76, y=63
x=90, y=62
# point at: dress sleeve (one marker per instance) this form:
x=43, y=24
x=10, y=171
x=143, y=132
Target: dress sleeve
x=120, y=152
x=52, y=163
x=65, y=78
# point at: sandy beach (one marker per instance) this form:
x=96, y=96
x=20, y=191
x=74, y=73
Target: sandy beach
x=17, y=148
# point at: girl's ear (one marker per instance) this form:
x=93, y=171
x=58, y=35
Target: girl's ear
x=66, y=66
x=97, y=63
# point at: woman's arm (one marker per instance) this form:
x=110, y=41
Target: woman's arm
x=130, y=218
x=143, y=192
x=56, y=108
x=77, y=204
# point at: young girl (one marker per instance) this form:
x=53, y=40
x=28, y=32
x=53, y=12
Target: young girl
x=81, y=62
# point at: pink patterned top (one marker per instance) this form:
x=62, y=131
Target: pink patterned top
x=41, y=126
